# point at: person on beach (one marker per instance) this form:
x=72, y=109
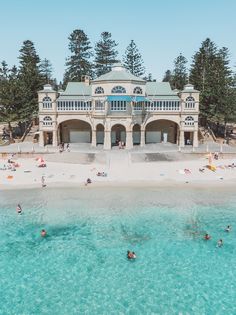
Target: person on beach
x=220, y=243
x=19, y=209
x=207, y=237
x=43, y=181
x=228, y=229
x=43, y=233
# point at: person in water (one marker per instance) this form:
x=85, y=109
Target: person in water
x=19, y=209
x=228, y=229
x=131, y=255
x=207, y=237
x=220, y=243
x=43, y=233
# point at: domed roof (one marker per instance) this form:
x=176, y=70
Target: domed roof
x=118, y=73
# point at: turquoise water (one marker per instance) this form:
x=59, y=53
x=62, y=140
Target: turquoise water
x=81, y=267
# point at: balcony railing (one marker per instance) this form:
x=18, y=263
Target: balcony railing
x=149, y=106
x=172, y=106
x=74, y=106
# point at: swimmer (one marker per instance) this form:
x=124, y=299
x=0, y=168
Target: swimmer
x=207, y=237
x=228, y=229
x=19, y=209
x=43, y=233
x=131, y=255
x=220, y=243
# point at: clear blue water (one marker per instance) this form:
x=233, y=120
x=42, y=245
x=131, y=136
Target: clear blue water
x=81, y=267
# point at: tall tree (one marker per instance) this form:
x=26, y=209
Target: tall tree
x=167, y=76
x=133, y=60
x=4, y=70
x=105, y=54
x=9, y=96
x=149, y=78
x=211, y=75
x=78, y=64
x=30, y=80
x=46, y=70
x=180, y=74
x=202, y=76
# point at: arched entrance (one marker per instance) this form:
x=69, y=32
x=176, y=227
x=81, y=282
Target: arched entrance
x=136, y=134
x=99, y=134
x=118, y=134
x=161, y=130
x=75, y=131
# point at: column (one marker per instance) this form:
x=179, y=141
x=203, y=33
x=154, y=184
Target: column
x=41, y=139
x=142, y=138
x=94, y=139
x=58, y=135
x=181, y=138
x=107, y=139
x=54, y=138
x=129, y=140
x=195, y=139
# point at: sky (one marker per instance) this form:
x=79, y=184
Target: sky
x=161, y=29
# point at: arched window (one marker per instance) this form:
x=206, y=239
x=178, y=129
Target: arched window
x=189, y=121
x=137, y=90
x=99, y=90
x=47, y=121
x=190, y=102
x=47, y=102
x=118, y=89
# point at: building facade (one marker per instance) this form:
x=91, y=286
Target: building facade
x=118, y=107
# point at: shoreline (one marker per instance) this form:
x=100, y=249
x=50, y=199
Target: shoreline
x=196, y=184
x=121, y=172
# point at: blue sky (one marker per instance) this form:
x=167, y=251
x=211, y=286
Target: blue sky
x=161, y=29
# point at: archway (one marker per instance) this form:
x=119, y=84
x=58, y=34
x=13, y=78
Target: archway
x=118, y=134
x=136, y=134
x=75, y=131
x=161, y=130
x=99, y=134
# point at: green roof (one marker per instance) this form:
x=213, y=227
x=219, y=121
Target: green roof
x=160, y=89
x=74, y=98
x=120, y=75
x=163, y=98
x=77, y=88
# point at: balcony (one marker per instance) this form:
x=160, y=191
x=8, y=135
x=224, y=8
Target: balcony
x=74, y=106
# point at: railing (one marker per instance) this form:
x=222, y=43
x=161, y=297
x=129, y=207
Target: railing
x=74, y=106
x=85, y=106
x=162, y=106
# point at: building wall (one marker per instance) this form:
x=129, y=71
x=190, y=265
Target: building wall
x=108, y=86
x=171, y=122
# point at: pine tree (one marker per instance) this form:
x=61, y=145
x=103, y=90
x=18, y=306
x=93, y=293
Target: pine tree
x=46, y=70
x=4, y=70
x=180, y=74
x=133, y=60
x=78, y=64
x=30, y=80
x=149, y=78
x=105, y=54
x=211, y=75
x=167, y=77
x=9, y=96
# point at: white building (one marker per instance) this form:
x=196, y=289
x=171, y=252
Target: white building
x=118, y=106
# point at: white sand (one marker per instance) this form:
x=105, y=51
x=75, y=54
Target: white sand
x=119, y=172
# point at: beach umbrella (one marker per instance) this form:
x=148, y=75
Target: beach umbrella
x=40, y=160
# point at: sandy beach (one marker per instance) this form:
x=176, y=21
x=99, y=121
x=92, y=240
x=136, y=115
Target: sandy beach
x=119, y=169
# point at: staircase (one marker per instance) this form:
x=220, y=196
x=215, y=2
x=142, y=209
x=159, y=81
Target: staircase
x=31, y=133
x=206, y=135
